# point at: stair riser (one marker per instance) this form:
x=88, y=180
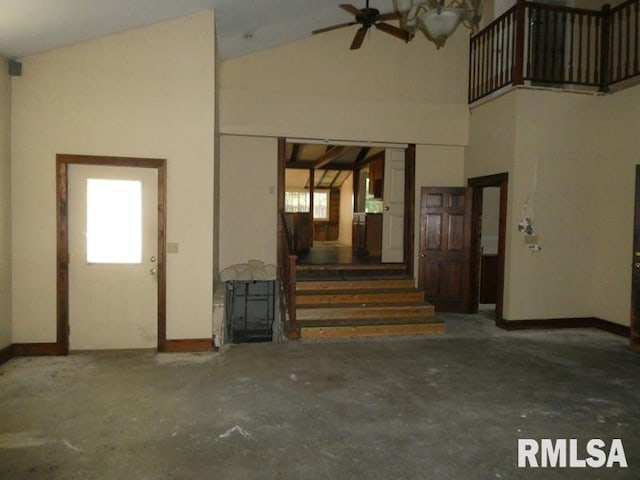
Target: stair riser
x=425, y=311
x=353, y=285
x=371, y=331
x=352, y=271
x=351, y=267
x=391, y=297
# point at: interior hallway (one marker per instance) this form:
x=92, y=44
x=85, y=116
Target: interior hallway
x=442, y=407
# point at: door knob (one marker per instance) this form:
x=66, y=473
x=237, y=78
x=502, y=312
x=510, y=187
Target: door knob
x=422, y=255
x=152, y=258
x=153, y=271
x=386, y=209
x=637, y=265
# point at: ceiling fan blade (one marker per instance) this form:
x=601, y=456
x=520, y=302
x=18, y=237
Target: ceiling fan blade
x=391, y=30
x=334, y=27
x=351, y=9
x=389, y=16
x=359, y=38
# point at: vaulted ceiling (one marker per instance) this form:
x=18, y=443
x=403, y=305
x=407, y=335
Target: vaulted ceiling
x=243, y=26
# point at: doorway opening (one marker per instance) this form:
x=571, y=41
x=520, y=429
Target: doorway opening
x=347, y=203
x=488, y=243
x=64, y=162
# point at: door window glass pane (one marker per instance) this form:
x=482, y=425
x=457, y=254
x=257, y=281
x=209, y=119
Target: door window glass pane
x=114, y=221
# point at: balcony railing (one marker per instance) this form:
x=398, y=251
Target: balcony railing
x=555, y=46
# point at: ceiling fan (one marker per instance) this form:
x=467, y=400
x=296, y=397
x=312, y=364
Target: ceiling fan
x=368, y=17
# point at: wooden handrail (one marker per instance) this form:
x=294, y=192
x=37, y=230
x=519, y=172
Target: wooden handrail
x=518, y=63
x=287, y=268
x=287, y=234
x=555, y=45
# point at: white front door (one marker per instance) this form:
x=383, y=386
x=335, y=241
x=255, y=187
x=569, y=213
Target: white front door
x=393, y=202
x=113, y=240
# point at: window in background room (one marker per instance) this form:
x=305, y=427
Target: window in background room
x=298, y=202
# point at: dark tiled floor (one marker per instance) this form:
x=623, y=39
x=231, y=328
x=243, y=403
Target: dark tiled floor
x=334, y=253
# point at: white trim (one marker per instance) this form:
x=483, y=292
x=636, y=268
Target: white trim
x=346, y=143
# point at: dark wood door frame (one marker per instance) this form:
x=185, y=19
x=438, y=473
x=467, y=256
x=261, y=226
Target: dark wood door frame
x=63, y=161
x=635, y=275
x=409, y=207
x=477, y=185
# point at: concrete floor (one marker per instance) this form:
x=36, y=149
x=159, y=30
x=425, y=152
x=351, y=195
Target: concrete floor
x=446, y=407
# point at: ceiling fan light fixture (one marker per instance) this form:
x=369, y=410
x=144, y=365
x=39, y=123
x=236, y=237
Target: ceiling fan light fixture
x=439, y=24
x=403, y=6
x=438, y=19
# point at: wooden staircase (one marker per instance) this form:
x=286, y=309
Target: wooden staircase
x=338, y=301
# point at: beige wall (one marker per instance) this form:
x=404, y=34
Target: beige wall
x=143, y=93
x=5, y=205
x=248, y=220
x=555, y=137
x=614, y=171
x=248, y=203
x=436, y=166
x=492, y=137
x=318, y=88
x=346, y=211
x=549, y=143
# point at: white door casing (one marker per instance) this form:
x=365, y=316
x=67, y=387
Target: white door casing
x=393, y=211
x=113, y=305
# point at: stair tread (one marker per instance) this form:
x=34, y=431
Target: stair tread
x=367, y=304
x=350, y=285
x=346, y=322
x=302, y=278
x=372, y=330
x=358, y=291
x=351, y=266
x=382, y=278
x=306, y=281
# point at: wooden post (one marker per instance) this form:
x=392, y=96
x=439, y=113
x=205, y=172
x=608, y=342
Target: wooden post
x=518, y=64
x=294, y=329
x=605, y=36
x=282, y=147
x=355, y=178
x=312, y=189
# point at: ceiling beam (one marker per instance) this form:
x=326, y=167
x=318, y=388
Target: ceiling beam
x=300, y=165
x=335, y=177
x=324, y=175
x=295, y=150
x=361, y=156
x=329, y=155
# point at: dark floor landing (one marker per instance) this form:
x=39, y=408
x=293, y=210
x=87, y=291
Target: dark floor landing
x=334, y=253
